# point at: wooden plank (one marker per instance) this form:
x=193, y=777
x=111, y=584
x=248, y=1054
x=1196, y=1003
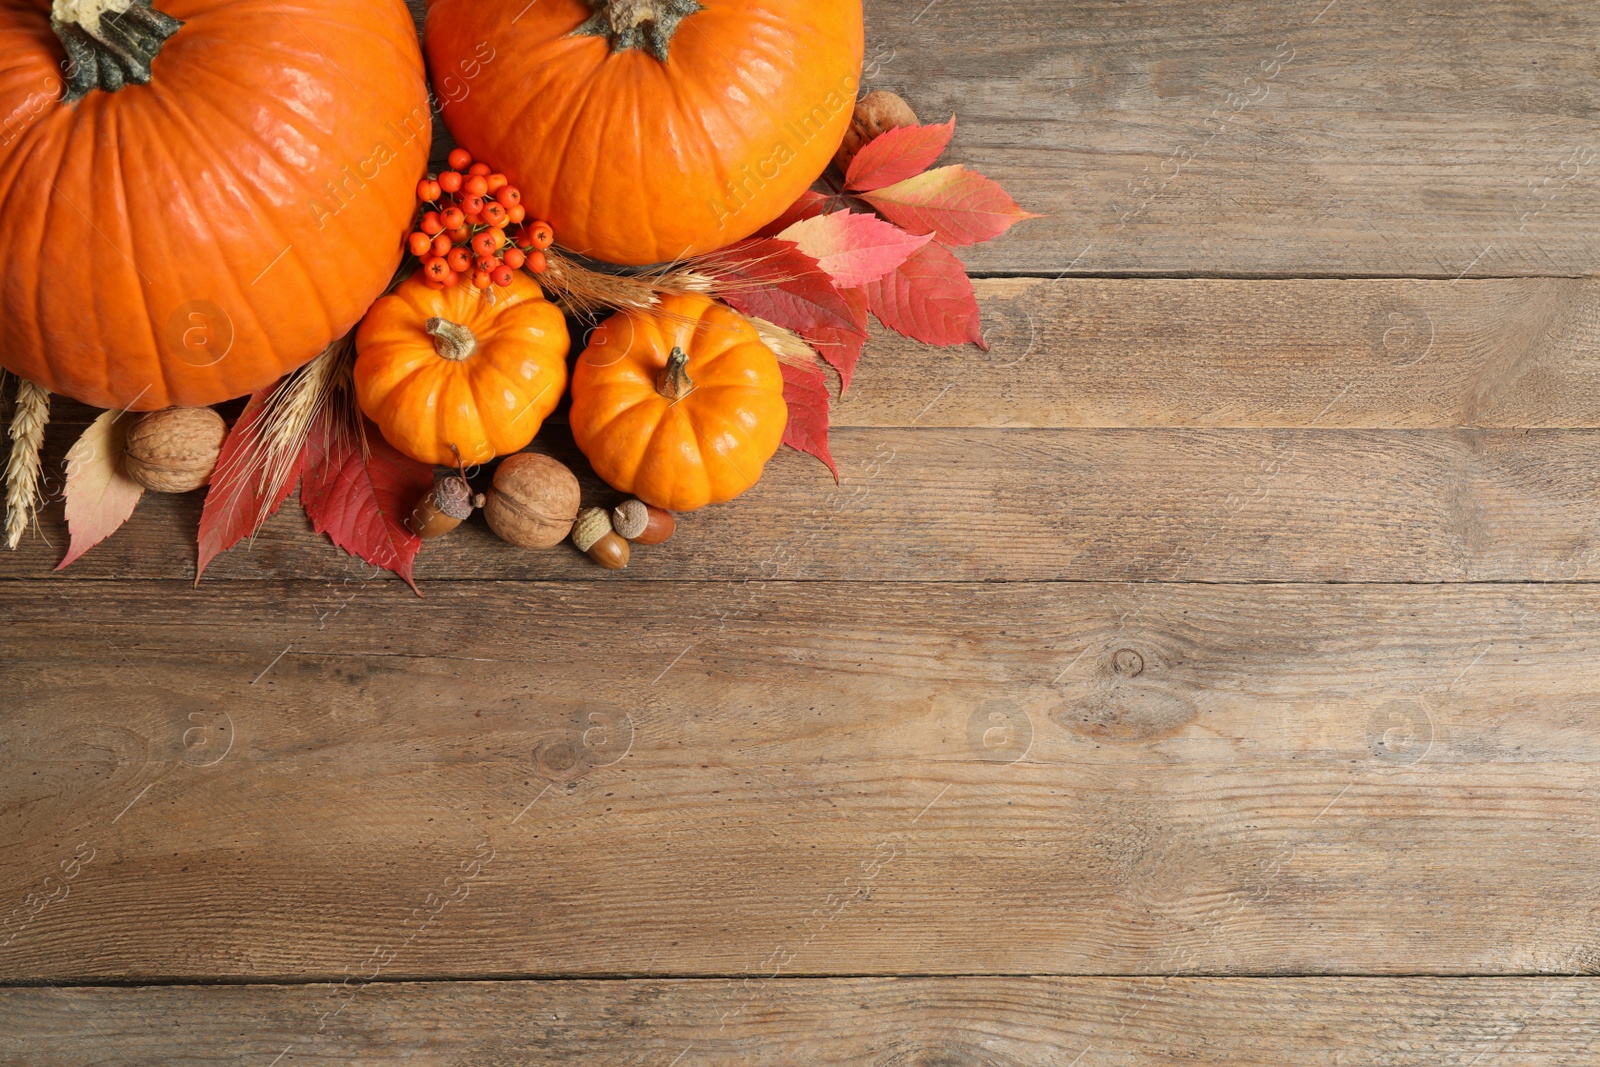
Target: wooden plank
x=1216, y=353
x=969, y=1022
x=1015, y=505
x=1373, y=354
x=1284, y=137
x=267, y=781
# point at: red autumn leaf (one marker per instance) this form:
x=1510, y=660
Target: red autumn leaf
x=853, y=248
x=956, y=205
x=842, y=348
x=895, y=155
x=929, y=298
x=810, y=205
x=235, y=506
x=774, y=280
x=100, y=496
x=805, y=390
x=362, y=502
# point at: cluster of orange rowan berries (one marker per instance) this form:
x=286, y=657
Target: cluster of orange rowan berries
x=473, y=227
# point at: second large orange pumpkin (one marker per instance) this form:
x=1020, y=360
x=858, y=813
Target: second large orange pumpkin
x=681, y=405
x=647, y=130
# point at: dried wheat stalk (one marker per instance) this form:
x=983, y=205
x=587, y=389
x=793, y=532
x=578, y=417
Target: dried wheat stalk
x=28, y=420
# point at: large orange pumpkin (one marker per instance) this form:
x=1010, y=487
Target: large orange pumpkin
x=211, y=194
x=646, y=130
x=681, y=405
x=442, y=367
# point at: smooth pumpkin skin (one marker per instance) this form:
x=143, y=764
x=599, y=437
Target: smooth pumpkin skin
x=490, y=404
x=634, y=161
x=258, y=186
x=707, y=447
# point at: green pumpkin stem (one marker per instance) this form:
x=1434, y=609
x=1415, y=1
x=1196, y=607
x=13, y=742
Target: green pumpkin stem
x=451, y=340
x=643, y=24
x=673, y=382
x=109, y=46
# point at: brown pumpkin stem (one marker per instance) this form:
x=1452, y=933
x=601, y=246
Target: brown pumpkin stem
x=451, y=340
x=673, y=382
x=110, y=43
x=643, y=24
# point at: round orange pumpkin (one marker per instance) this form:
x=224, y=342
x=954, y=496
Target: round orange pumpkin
x=647, y=130
x=207, y=195
x=681, y=406
x=442, y=367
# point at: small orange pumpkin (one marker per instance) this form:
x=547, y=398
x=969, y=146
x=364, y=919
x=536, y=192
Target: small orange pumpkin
x=442, y=367
x=681, y=405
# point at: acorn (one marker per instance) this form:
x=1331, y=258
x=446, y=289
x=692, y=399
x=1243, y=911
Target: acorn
x=443, y=508
x=641, y=523
x=592, y=533
x=174, y=450
x=534, y=501
x=878, y=112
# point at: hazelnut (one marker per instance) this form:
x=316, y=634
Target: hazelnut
x=174, y=450
x=877, y=112
x=593, y=534
x=642, y=523
x=534, y=501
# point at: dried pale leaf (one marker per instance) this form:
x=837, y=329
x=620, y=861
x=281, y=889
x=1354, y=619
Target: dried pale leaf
x=100, y=495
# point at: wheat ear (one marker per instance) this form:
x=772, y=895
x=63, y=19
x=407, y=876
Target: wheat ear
x=28, y=419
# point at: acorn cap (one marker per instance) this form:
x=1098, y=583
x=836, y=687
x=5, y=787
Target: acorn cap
x=453, y=496
x=629, y=518
x=592, y=524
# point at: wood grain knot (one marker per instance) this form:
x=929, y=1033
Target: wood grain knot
x=946, y=1054
x=1130, y=698
x=589, y=737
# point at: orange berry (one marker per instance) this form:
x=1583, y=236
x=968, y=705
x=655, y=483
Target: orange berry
x=431, y=224
x=508, y=197
x=461, y=234
x=495, y=214
x=523, y=238
x=496, y=182
x=450, y=182
x=460, y=159
x=483, y=243
x=460, y=259
x=480, y=168
x=453, y=218
x=472, y=204
x=453, y=278
x=428, y=190
x=536, y=262
x=441, y=244
x=543, y=236
x=513, y=258
x=436, y=267
x=516, y=213
x=432, y=283
x=477, y=185
x=481, y=279
x=502, y=275
x=419, y=243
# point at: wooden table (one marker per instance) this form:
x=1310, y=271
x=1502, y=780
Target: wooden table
x=1205, y=673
